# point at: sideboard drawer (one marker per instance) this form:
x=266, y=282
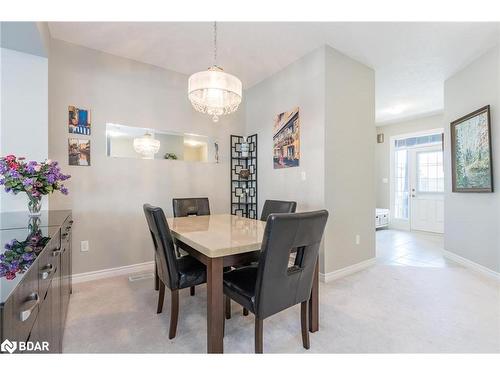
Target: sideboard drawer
x=66, y=228
x=33, y=304
x=47, y=265
x=25, y=303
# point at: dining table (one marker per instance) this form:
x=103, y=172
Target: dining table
x=220, y=241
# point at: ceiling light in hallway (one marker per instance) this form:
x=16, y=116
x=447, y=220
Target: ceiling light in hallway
x=397, y=109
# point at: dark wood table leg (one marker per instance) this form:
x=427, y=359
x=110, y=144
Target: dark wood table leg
x=215, y=306
x=314, y=301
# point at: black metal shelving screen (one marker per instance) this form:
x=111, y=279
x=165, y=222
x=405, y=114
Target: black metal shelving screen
x=244, y=191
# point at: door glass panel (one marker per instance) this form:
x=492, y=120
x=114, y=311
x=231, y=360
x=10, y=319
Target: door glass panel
x=401, y=184
x=430, y=175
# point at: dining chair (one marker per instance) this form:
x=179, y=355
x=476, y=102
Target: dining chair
x=273, y=285
x=270, y=207
x=277, y=207
x=183, y=207
x=190, y=207
x=173, y=272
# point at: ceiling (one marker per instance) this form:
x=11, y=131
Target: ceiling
x=411, y=60
x=23, y=37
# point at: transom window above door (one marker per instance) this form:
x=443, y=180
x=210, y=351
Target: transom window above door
x=423, y=140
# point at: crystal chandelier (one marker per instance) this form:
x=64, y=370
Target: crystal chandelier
x=146, y=146
x=213, y=91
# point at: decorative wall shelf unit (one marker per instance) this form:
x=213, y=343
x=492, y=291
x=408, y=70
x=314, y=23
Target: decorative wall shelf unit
x=244, y=190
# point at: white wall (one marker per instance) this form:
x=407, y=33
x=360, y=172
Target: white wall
x=472, y=220
x=107, y=197
x=26, y=37
x=383, y=150
x=45, y=38
x=170, y=143
x=24, y=114
x=335, y=96
x=349, y=164
x=300, y=84
x=122, y=147
x=336, y=99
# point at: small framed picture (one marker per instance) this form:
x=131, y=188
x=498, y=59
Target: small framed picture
x=79, y=120
x=79, y=152
x=471, y=160
x=286, y=139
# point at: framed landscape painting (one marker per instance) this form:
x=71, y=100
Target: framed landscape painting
x=471, y=162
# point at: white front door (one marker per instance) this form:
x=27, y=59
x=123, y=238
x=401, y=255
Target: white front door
x=427, y=189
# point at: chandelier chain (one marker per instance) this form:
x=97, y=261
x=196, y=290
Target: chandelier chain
x=215, y=43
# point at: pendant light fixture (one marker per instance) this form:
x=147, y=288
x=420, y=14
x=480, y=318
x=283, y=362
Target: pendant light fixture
x=146, y=146
x=214, y=91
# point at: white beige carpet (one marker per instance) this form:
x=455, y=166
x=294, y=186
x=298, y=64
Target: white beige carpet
x=386, y=308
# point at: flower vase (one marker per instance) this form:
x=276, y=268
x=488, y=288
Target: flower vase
x=34, y=225
x=34, y=205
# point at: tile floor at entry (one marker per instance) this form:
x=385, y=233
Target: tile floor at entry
x=418, y=249
x=411, y=300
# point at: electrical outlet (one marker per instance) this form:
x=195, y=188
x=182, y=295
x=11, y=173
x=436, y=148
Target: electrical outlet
x=385, y=180
x=84, y=246
x=303, y=176
x=358, y=239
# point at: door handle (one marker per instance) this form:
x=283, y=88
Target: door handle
x=32, y=302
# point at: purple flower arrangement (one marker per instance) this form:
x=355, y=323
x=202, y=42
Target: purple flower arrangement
x=33, y=178
x=18, y=256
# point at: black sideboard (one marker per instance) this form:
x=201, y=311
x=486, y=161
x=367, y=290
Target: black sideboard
x=35, y=280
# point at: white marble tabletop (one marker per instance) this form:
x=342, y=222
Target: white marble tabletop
x=218, y=235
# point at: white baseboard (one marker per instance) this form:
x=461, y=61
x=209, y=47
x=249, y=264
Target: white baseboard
x=337, y=274
x=472, y=265
x=149, y=267
x=112, y=272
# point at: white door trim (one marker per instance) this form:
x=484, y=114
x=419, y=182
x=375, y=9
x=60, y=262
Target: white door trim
x=395, y=222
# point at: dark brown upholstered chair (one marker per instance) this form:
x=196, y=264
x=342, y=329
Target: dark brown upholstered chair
x=270, y=207
x=277, y=207
x=190, y=206
x=183, y=207
x=173, y=272
x=273, y=285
